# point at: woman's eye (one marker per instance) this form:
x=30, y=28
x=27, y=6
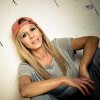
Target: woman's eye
x=32, y=29
x=24, y=35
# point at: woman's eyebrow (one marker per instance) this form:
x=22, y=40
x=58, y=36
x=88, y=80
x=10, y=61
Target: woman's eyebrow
x=32, y=26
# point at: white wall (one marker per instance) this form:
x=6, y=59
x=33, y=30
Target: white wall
x=69, y=19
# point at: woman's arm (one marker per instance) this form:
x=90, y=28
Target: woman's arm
x=89, y=45
x=28, y=88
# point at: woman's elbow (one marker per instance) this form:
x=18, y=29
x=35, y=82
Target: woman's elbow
x=24, y=92
x=95, y=39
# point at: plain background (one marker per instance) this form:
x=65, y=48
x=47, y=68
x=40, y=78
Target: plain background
x=63, y=18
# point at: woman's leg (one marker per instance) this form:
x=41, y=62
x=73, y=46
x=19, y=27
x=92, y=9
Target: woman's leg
x=44, y=97
x=94, y=71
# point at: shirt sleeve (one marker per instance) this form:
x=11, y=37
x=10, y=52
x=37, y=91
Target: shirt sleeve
x=65, y=44
x=24, y=69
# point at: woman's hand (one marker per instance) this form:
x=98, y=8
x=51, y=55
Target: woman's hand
x=82, y=84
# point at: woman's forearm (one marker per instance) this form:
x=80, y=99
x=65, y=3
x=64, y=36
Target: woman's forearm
x=41, y=87
x=89, y=51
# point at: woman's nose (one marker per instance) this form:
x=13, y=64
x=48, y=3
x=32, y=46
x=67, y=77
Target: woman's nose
x=31, y=36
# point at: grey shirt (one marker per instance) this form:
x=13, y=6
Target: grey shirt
x=64, y=47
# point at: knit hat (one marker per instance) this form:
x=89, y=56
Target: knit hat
x=16, y=26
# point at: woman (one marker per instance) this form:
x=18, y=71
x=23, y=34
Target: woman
x=48, y=72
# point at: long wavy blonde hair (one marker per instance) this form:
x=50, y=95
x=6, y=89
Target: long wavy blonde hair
x=27, y=56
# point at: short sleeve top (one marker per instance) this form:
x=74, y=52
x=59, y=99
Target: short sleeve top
x=63, y=45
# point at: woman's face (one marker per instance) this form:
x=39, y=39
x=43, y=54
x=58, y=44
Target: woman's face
x=30, y=36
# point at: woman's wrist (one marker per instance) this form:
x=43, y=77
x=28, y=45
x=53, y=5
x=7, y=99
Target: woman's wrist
x=82, y=67
x=63, y=80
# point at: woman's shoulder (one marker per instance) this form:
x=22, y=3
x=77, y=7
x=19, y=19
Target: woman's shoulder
x=64, y=45
x=25, y=69
x=61, y=40
x=24, y=65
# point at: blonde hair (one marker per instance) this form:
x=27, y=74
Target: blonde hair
x=27, y=56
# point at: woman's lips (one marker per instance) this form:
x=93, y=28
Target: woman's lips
x=36, y=41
